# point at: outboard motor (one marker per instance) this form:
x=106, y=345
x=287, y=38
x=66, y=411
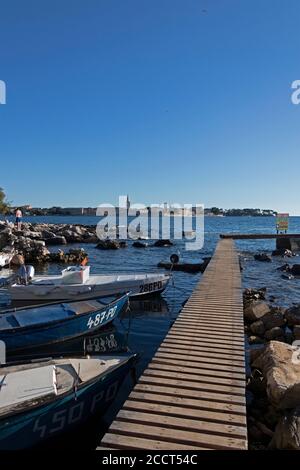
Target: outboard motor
x=25, y=274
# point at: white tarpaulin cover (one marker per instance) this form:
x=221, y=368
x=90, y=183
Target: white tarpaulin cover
x=21, y=386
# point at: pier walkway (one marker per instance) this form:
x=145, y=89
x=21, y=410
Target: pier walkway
x=192, y=395
x=259, y=236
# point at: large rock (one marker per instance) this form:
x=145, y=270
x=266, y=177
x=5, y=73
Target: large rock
x=45, y=234
x=91, y=239
x=70, y=236
x=283, y=252
x=109, y=245
x=274, y=318
x=139, y=245
x=258, y=328
x=72, y=257
x=255, y=340
x=256, y=310
x=287, y=432
x=56, y=240
x=296, y=332
x=5, y=237
x=249, y=295
x=32, y=234
x=292, y=315
x=263, y=257
x=295, y=269
x=37, y=255
x=274, y=333
x=281, y=370
x=162, y=243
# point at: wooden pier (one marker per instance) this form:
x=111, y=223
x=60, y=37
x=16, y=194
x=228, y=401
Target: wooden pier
x=192, y=395
x=259, y=236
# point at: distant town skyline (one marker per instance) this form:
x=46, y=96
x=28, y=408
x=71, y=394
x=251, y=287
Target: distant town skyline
x=188, y=102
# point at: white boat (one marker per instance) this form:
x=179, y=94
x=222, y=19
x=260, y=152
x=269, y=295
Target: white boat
x=76, y=283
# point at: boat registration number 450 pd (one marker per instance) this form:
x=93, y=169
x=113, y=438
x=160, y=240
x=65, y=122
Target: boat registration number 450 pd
x=99, y=318
x=153, y=286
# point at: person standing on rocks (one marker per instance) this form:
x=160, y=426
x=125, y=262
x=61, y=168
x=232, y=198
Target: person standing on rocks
x=19, y=216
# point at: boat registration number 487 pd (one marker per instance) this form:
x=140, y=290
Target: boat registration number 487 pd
x=99, y=318
x=153, y=286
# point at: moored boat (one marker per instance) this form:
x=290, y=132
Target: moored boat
x=42, y=399
x=49, y=324
x=75, y=283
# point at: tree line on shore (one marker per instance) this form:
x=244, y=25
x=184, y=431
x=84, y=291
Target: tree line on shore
x=7, y=209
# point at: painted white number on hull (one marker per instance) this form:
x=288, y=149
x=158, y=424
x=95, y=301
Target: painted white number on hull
x=74, y=414
x=152, y=287
x=93, y=322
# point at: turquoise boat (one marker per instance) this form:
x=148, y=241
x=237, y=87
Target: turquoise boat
x=40, y=400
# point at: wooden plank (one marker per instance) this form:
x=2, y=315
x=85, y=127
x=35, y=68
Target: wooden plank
x=168, y=420
x=236, y=337
x=175, y=409
x=216, y=345
x=223, y=358
x=218, y=377
x=196, y=403
x=197, y=362
x=186, y=381
x=220, y=341
x=206, y=348
x=223, y=329
x=166, y=365
x=121, y=442
x=186, y=392
x=177, y=435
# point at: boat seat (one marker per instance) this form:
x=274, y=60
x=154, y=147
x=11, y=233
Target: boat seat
x=26, y=386
x=87, y=370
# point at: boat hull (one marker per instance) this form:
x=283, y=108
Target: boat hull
x=55, y=332
x=28, y=429
x=139, y=288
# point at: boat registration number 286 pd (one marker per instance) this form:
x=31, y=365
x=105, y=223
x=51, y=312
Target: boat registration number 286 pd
x=152, y=287
x=99, y=318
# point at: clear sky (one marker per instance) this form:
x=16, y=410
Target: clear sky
x=184, y=101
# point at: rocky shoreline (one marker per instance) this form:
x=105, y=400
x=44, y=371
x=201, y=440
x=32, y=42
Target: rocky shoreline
x=273, y=385
x=32, y=242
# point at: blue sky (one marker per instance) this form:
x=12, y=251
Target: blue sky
x=185, y=101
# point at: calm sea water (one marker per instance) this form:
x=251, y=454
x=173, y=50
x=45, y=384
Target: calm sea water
x=147, y=324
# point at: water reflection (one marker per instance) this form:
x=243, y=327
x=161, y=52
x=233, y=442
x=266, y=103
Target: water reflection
x=106, y=341
x=155, y=307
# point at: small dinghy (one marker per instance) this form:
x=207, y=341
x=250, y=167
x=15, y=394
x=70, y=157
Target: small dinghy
x=76, y=283
x=39, y=326
x=42, y=399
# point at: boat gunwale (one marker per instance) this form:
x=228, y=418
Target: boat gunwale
x=45, y=326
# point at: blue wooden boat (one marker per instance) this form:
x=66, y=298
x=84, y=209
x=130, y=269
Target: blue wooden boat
x=53, y=323
x=41, y=400
x=106, y=341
